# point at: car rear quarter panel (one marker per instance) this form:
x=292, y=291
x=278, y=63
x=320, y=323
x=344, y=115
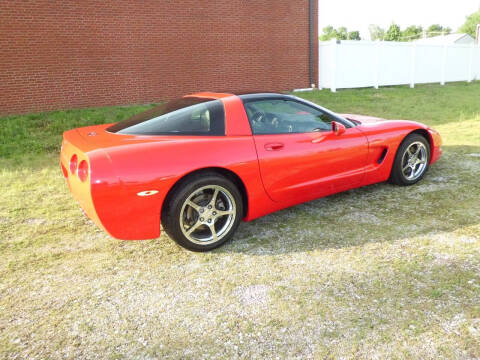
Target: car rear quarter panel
x=157, y=166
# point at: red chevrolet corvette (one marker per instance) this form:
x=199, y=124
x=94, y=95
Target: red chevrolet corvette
x=200, y=164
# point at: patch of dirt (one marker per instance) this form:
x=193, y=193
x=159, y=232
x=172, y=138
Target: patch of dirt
x=35, y=221
x=422, y=188
x=253, y=295
x=361, y=217
x=452, y=239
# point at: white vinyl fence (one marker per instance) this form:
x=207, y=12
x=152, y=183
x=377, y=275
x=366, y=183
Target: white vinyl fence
x=353, y=64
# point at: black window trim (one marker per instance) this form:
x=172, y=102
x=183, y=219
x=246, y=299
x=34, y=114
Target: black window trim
x=171, y=133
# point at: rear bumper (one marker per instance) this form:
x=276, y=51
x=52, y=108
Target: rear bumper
x=113, y=205
x=81, y=190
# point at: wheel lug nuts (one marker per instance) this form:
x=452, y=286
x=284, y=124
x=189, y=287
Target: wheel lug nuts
x=209, y=220
x=209, y=206
x=201, y=219
x=214, y=213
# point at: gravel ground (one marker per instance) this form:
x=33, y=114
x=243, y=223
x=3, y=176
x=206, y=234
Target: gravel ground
x=374, y=273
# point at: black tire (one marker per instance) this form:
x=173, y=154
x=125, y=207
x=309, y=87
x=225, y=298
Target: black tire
x=397, y=175
x=172, y=215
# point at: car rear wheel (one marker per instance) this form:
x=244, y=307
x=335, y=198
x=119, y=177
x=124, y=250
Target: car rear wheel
x=203, y=212
x=411, y=161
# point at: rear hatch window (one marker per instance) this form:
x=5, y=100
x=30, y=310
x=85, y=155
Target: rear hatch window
x=184, y=116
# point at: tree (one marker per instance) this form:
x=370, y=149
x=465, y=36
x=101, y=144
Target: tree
x=353, y=35
x=470, y=25
x=328, y=33
x=411, y=33
x=342, y=33
x=376, y=32
x=436, y=30
x=393, y=33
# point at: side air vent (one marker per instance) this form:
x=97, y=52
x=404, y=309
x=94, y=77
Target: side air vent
x=382, y=156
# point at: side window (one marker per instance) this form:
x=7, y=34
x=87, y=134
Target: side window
x=186, y=116
x=277, y=116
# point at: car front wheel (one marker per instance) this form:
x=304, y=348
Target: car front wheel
x=203, y=212
x=411, y=161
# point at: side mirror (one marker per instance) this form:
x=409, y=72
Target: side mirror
x=338, y=128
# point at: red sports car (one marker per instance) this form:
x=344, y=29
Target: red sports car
x=200, y=164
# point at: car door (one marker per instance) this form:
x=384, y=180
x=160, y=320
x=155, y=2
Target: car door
x=299, y=155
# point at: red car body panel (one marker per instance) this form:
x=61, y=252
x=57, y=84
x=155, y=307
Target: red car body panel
x=294, y=169
x=277, y=171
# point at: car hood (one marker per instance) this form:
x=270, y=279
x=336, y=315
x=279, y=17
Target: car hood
x=363, y=119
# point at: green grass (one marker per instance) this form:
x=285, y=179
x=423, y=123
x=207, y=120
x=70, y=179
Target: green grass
x=42, y=133
x=433, y=104
x=377, y=272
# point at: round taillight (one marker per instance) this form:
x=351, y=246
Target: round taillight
x=83, y=170
x=73, y=163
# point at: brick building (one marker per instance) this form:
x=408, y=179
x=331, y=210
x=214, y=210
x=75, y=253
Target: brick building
x=71, y=54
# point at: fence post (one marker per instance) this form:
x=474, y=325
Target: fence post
x=377, y=64
x=470, y=63
x=444, y=64
x=412, y=64
x=476, y=63
x=333, y=87
x=318, y=65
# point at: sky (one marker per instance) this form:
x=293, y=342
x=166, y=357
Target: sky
x=358, y=14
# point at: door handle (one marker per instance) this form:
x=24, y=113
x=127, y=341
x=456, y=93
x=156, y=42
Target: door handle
x=319, y=139
x=273, y=146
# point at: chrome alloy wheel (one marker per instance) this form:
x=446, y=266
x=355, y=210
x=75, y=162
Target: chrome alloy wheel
x=414, y=161
x=207, y=214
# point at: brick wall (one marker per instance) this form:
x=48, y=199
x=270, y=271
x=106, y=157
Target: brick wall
x=71, y=54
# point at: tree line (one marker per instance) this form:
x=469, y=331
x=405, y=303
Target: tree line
x=413, y=32
x=395, y=33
